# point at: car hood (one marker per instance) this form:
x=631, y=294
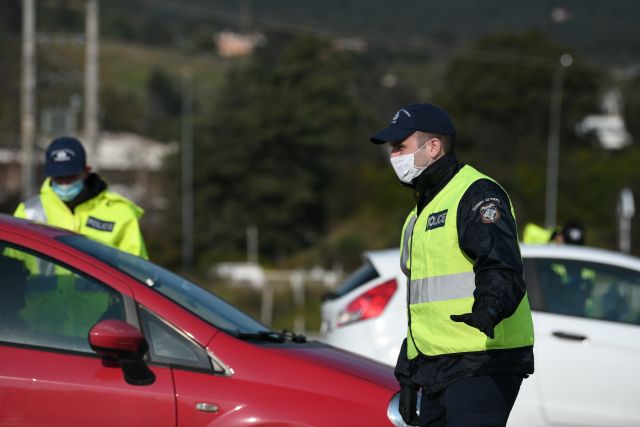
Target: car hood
x=346, y=362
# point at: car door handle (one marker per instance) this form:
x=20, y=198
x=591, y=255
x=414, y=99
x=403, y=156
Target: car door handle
x=207, y=407
x=567, y=336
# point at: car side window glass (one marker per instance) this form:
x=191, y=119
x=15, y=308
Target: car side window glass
x=45, y=304
x=590, y=290
x=168, y=346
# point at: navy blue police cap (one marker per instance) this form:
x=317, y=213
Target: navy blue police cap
x=416, y=117
x=65, y=156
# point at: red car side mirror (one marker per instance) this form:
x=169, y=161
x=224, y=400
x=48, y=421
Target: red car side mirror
x=115, y=338
x=121, y=342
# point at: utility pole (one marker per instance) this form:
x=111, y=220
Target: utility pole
x=553, y=144
x=91, y=84
x=626, y=211
x=187, y=171
x=252, y=244
x=245, y=16
x=28, y=97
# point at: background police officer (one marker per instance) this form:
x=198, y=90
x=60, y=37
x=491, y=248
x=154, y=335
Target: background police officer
x=571, y=233
x=74, y=198
x=470, y=336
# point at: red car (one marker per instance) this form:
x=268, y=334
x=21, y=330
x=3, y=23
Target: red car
x=90, y=335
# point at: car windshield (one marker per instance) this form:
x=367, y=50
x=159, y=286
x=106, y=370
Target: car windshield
x=192, y=297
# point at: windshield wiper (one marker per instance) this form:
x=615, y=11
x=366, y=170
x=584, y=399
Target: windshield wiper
x=272, y=336
x=262, y=336
x=299, y=338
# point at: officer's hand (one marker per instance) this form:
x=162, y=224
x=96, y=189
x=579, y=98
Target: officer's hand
x=408, y=399
x=477, y=319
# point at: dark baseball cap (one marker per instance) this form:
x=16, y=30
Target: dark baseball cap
x=65, y=156
x=416, y=117
x=573, y=233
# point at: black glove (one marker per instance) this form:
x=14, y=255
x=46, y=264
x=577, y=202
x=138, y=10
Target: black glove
x=478, y=319
x=408, y=399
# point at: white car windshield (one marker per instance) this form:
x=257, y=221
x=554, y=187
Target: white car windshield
x=192, y=297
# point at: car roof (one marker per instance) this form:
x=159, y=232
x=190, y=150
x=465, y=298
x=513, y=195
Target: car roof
x=385, y=261
x=30, y=228
x=586, y=253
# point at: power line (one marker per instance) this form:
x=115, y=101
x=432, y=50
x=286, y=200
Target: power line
x=381, y=40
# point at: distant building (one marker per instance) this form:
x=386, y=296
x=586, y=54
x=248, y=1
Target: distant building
x=132, y=165
x=350, y=44
x=608, y=128
x=232, y=44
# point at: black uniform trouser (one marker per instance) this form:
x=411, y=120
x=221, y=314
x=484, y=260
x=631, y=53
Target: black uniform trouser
x=481, y=401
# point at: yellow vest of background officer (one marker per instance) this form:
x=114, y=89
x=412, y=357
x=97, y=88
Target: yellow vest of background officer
x=108, y=218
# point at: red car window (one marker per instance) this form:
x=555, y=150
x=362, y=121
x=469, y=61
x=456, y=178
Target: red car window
x=46, y=304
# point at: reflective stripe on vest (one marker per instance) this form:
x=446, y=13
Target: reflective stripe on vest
x=406, y=241
x=34, y=210
x=442, y=288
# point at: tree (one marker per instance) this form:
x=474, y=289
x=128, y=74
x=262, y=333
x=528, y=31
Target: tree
x=164, y=106
x=275, y=151
x=500, y=105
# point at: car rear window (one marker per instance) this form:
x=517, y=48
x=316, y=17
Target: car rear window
x=359, y=277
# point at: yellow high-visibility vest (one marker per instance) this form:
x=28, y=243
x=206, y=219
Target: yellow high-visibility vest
x=533, y=234
x=442, y=281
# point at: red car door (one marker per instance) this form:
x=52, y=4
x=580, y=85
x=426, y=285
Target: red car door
x=45, y=388
x=49, y=375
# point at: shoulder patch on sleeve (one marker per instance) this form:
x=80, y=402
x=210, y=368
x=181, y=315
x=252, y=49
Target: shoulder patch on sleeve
x=489, y=213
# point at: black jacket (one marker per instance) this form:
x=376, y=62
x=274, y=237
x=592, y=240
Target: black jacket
x=93, y=185
x=500, y=284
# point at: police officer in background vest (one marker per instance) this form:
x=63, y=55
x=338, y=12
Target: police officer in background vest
x=469, y=340
x=571, y=233
x=74, y=198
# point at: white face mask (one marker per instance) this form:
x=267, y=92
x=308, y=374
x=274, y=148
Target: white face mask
x=405, y=166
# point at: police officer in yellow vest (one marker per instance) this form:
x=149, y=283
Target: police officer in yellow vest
x=571, y=233
x=74, y=198
x=470, y=336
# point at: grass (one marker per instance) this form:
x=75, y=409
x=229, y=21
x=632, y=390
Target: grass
x=129, y=66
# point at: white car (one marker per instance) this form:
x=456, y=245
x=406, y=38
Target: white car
x=586, y=314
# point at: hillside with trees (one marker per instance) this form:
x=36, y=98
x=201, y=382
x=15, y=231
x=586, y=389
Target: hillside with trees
x=281, y=136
